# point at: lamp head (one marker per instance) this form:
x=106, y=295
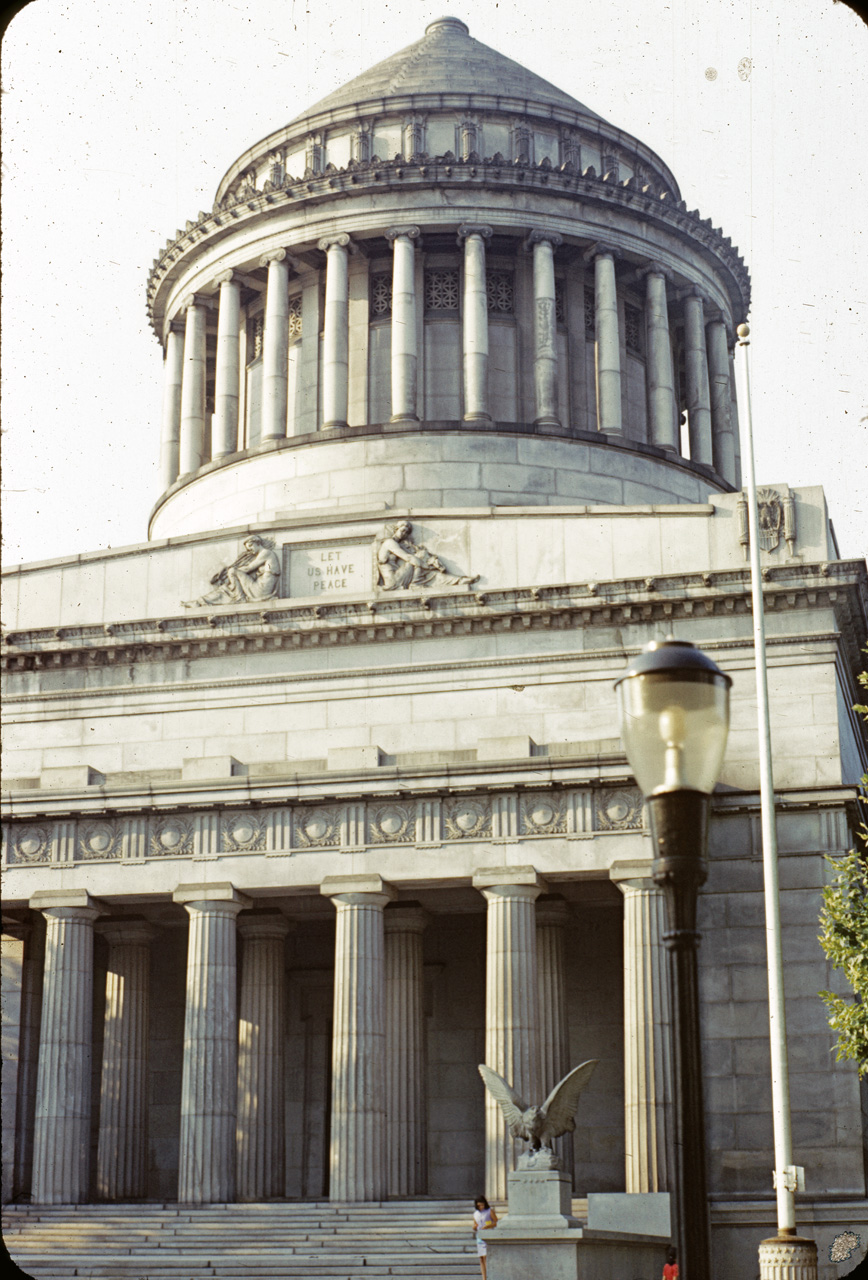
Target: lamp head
x=673, y=704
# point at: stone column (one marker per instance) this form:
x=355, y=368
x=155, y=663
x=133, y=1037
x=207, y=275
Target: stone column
x=722, y=438
x=545, y=326
x=275, y=346
x=696, y=381
x=404, y=347
x=552, y=916
x=122, y=1152
x=28, y=1048
x=261, y=1124
x=511, y=1013
x=406, y=1134
x=607, y=345
x=662, y=416
x=170, y=440
x=226, y=375
x=61, y=1143
x=358, y=1124
x=335, y=391
x=475, y=326
x=193, y=386
x=206, y=1163
x=648, y=1069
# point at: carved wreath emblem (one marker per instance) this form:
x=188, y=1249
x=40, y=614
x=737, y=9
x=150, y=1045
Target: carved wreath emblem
x=31, y=844
x=619, y=810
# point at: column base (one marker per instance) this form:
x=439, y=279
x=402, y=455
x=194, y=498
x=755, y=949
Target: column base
x=784, y=1257
x=269, y=435
x=547, y=420
x=477, y=417
x=404, y=417
x=326, y=426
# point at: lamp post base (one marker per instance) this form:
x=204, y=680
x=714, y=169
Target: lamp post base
x=788, y=1258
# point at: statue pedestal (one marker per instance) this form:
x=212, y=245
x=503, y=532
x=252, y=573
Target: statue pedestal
x=539, y=1237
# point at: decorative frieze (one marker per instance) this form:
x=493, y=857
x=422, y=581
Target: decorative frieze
x=298, y=828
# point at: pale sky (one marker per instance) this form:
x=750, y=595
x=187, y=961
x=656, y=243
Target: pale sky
x=120, y=118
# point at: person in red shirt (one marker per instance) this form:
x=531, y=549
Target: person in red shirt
x=670, y=1271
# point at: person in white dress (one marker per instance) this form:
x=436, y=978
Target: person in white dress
x=484, y=1218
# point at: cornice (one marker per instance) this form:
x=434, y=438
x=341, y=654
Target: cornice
x=400, y=616
x=358, y=177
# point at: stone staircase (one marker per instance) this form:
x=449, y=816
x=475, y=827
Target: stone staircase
x=427, y=1239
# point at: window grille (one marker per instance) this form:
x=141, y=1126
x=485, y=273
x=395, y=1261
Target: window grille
x=523, y=144
x=381, y=297
x=295, y=317
x=441, y=290
x=590, y=314
x=633, y=329
x=501, y=292
x=560, y=302
x=255, y=335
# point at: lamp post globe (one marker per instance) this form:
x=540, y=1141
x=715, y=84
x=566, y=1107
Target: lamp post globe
x=673, y=704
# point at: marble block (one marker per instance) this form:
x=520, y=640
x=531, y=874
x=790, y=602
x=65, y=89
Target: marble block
x=539, y=1199
x=643, y=1213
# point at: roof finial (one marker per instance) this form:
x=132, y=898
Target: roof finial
x=447, y=24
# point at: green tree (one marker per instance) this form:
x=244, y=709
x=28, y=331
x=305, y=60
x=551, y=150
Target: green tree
x=844, y=938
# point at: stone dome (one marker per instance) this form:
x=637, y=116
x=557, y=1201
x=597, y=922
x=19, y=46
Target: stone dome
x=446, y=285
x=448, y=60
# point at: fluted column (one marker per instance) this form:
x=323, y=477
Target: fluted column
x=404, y=342
x=225, y=426
x=28, y=1050
x=475, y=326
x=545, y=326
x=61, y=1144
x=607, y=345
x=335, y=390
x=511, y=1010
x=275, y=345
x=722, y=436
x=122, y=1151
x=696, y=381
x=662, y=416
x=552, y=916
x=358, y=1122
x=261, y=1124
x=193, y=386
x=648, y=1078
x=406, y=1135
x=206, y=1162
x=170, y=439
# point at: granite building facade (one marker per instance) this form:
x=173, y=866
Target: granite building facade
x=315, y=799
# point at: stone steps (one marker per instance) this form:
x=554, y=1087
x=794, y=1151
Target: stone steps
x=417, y=1240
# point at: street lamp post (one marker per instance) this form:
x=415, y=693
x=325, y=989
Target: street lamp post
x=673, y=704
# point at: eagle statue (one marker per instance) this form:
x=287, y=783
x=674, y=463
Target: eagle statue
x=540, y=1125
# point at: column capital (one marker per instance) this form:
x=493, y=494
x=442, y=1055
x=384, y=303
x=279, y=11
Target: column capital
x=551, y=909
x=656, y=269
x=274, y=255
x=509, y=882
x=408, y=232
x=121, y=930
x=175, y=325
x=539, y=235
x=632, y=875
x=339, y=240
x=467, y=229
x=198, y=300
x=71, y=901
x=599, y=249
x=264, y=924
x=694, y=291
x=357, y=891
x=405, y=917
x=226, y=277
x=214, y=895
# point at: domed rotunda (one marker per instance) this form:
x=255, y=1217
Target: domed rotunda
x=448, y=284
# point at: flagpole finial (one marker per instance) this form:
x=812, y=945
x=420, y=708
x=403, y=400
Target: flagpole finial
x=743, y=332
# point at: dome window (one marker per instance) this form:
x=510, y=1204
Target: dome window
x=441, y=289
x=500, y=288
x=633, y=330
x=381, y=297
x=590, y=314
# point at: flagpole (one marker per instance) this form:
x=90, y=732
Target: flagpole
x=787, y=1254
